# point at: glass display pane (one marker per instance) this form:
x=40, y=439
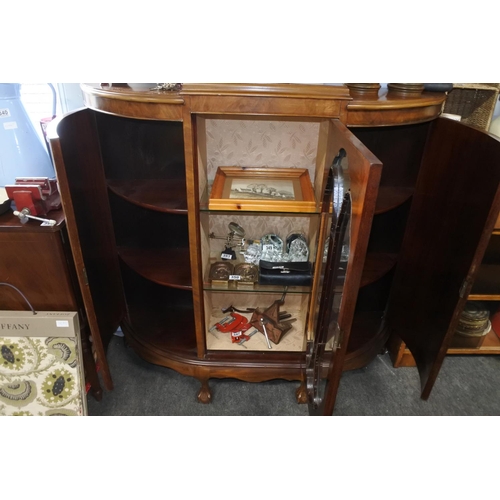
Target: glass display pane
x=334, y=268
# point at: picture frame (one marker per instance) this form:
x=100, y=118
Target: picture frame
x=262, y=189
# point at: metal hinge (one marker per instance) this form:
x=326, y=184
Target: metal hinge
x=84, y=272
x=464, y=286
x=341, y=339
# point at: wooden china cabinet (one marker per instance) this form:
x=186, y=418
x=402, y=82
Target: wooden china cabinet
x=136, y=170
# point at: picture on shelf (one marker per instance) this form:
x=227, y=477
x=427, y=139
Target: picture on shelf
x=262, y=188
x=255, y=189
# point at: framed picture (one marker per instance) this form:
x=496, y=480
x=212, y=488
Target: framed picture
x=262, y=189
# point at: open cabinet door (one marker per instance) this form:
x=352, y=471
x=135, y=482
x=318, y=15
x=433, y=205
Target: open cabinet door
x=347, y=215
x=78, y=163
x=454, y=209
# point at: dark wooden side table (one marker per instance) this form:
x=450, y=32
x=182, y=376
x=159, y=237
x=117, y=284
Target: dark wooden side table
x=37, y=260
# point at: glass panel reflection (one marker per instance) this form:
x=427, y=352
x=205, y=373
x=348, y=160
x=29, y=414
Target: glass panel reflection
x=334, y=269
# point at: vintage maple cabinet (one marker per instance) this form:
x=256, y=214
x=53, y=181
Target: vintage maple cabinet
x=136, y=169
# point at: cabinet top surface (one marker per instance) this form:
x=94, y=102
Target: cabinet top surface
x=142, y=100
x=142, y=92
x=387, y=100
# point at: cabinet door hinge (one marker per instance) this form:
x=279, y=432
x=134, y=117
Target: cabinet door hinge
x=340, y=339
x=464, y=286
x=85, y=277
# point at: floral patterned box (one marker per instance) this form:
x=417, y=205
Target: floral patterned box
x=41, y=365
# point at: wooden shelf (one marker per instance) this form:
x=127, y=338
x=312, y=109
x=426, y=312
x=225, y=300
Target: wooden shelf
x=165, y=266
x=236, y=287
x=487, y=283
x=390, y=197
x=376, y=266
x=365, y=325
x=293, y=341
x=490, y=345
x=402, y=357
x=162, y=195
x=169, y=329
x=366, y=340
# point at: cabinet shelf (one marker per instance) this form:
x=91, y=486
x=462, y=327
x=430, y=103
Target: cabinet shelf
x=168, y=330
x=364, y=326
x=162, y=195
x=233, y=288
x=390, y=197
x=490, y=345
x=292, y=341
x=165, y=266
x=377, y=265
x=204, y=208
x=160, y=319
x=367, y=338
x=486, y=285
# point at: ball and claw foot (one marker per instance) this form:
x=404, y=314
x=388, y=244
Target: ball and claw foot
x=301, y=394
x=205, y=395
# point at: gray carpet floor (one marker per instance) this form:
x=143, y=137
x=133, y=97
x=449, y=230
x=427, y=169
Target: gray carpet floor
x=467, y=385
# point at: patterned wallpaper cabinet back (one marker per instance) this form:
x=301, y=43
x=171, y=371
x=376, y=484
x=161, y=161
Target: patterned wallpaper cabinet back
x=261, y=143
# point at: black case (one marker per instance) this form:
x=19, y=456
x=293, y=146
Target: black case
x=285, y=273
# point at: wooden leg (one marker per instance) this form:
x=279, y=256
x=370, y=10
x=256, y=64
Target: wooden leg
x=204, y=396
x=97, y=394
x=301, y=394
x=89, y=366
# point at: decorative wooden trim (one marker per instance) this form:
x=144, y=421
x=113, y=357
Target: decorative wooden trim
x=394, y=109
x=288, y=90
x=193, y=205
x=266, y=105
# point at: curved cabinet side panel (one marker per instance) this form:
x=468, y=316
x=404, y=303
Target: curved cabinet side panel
x=455, y=205
x=85, y=201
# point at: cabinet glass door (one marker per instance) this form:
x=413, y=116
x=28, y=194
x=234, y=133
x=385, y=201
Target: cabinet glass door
x=346, y=216
x=328, y=335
